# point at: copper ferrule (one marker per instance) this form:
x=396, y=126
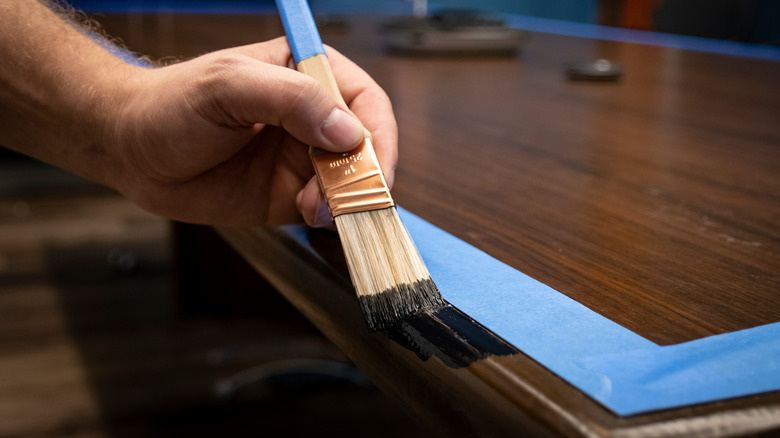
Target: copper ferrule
x=352, y=181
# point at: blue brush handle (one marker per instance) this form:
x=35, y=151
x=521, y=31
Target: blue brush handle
x=302, y=34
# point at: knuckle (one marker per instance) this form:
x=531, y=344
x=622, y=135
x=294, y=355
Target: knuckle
x=214, y=85
x=302, y=94
x=221, y=67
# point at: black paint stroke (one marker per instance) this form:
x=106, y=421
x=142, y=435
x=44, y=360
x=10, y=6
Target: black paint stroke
x=446, y=333
x=450, y=335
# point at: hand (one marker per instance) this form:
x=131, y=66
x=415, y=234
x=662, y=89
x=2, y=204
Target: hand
x=223, y=139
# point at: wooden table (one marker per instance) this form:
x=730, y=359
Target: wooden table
x=654, y=201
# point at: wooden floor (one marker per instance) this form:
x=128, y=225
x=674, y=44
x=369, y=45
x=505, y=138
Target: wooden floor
x=95, y=342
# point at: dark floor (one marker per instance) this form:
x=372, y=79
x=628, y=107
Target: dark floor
x=100, y=338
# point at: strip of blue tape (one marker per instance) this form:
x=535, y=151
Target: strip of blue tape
x=622, y=370
x=300, y=29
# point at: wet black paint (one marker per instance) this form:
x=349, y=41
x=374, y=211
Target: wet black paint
x=445, y=332
x=450, y=335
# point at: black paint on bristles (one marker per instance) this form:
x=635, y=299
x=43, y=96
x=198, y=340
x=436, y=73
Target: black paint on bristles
x=387, y=308
x=390, y=278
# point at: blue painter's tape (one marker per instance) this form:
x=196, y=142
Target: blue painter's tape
x=301, y=31
x=622, y=370
x=713, y=368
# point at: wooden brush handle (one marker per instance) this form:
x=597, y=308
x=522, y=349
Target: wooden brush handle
x=305, y=43
x=351, y=182
x=318, y=67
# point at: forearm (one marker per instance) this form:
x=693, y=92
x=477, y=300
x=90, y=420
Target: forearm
x=58, y=90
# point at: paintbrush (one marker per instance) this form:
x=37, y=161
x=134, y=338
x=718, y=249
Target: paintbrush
x=390, y=278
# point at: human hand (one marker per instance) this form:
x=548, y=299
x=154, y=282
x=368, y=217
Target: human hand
x=223, y=139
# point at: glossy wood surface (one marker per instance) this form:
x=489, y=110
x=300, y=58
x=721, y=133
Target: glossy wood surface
x=654, y=201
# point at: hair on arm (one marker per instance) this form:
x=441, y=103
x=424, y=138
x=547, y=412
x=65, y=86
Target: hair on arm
x=92, y=29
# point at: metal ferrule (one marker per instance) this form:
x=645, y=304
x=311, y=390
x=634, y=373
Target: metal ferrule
x=352, y=181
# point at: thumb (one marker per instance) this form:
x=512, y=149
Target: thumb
x=344, y=131
x=257, y=92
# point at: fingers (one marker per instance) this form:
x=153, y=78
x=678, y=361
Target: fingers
x=244, y=89
x=372, y=106
x=236, y=90
x=312, y=205
x=365, y=98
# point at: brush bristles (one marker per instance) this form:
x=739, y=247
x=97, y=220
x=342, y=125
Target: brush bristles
x=388, y=273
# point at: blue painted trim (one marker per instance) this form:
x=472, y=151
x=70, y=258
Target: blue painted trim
x=301, y=31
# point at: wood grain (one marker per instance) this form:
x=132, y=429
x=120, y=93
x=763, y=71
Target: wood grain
x=495, y=396
x=654, y=204
x=654, y=201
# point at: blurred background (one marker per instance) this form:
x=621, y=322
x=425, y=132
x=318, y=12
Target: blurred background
x=114, y=322
x=754, y=21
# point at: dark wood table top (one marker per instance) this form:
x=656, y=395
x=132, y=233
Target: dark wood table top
x=654, y=201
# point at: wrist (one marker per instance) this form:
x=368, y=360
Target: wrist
x=59, y=100
x=102, y=110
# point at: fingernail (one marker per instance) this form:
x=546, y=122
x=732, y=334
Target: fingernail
x=341, y=129
x=322, y=216
x=299, y=200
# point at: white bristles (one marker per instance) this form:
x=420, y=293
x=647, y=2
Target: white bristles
x=388, y=273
